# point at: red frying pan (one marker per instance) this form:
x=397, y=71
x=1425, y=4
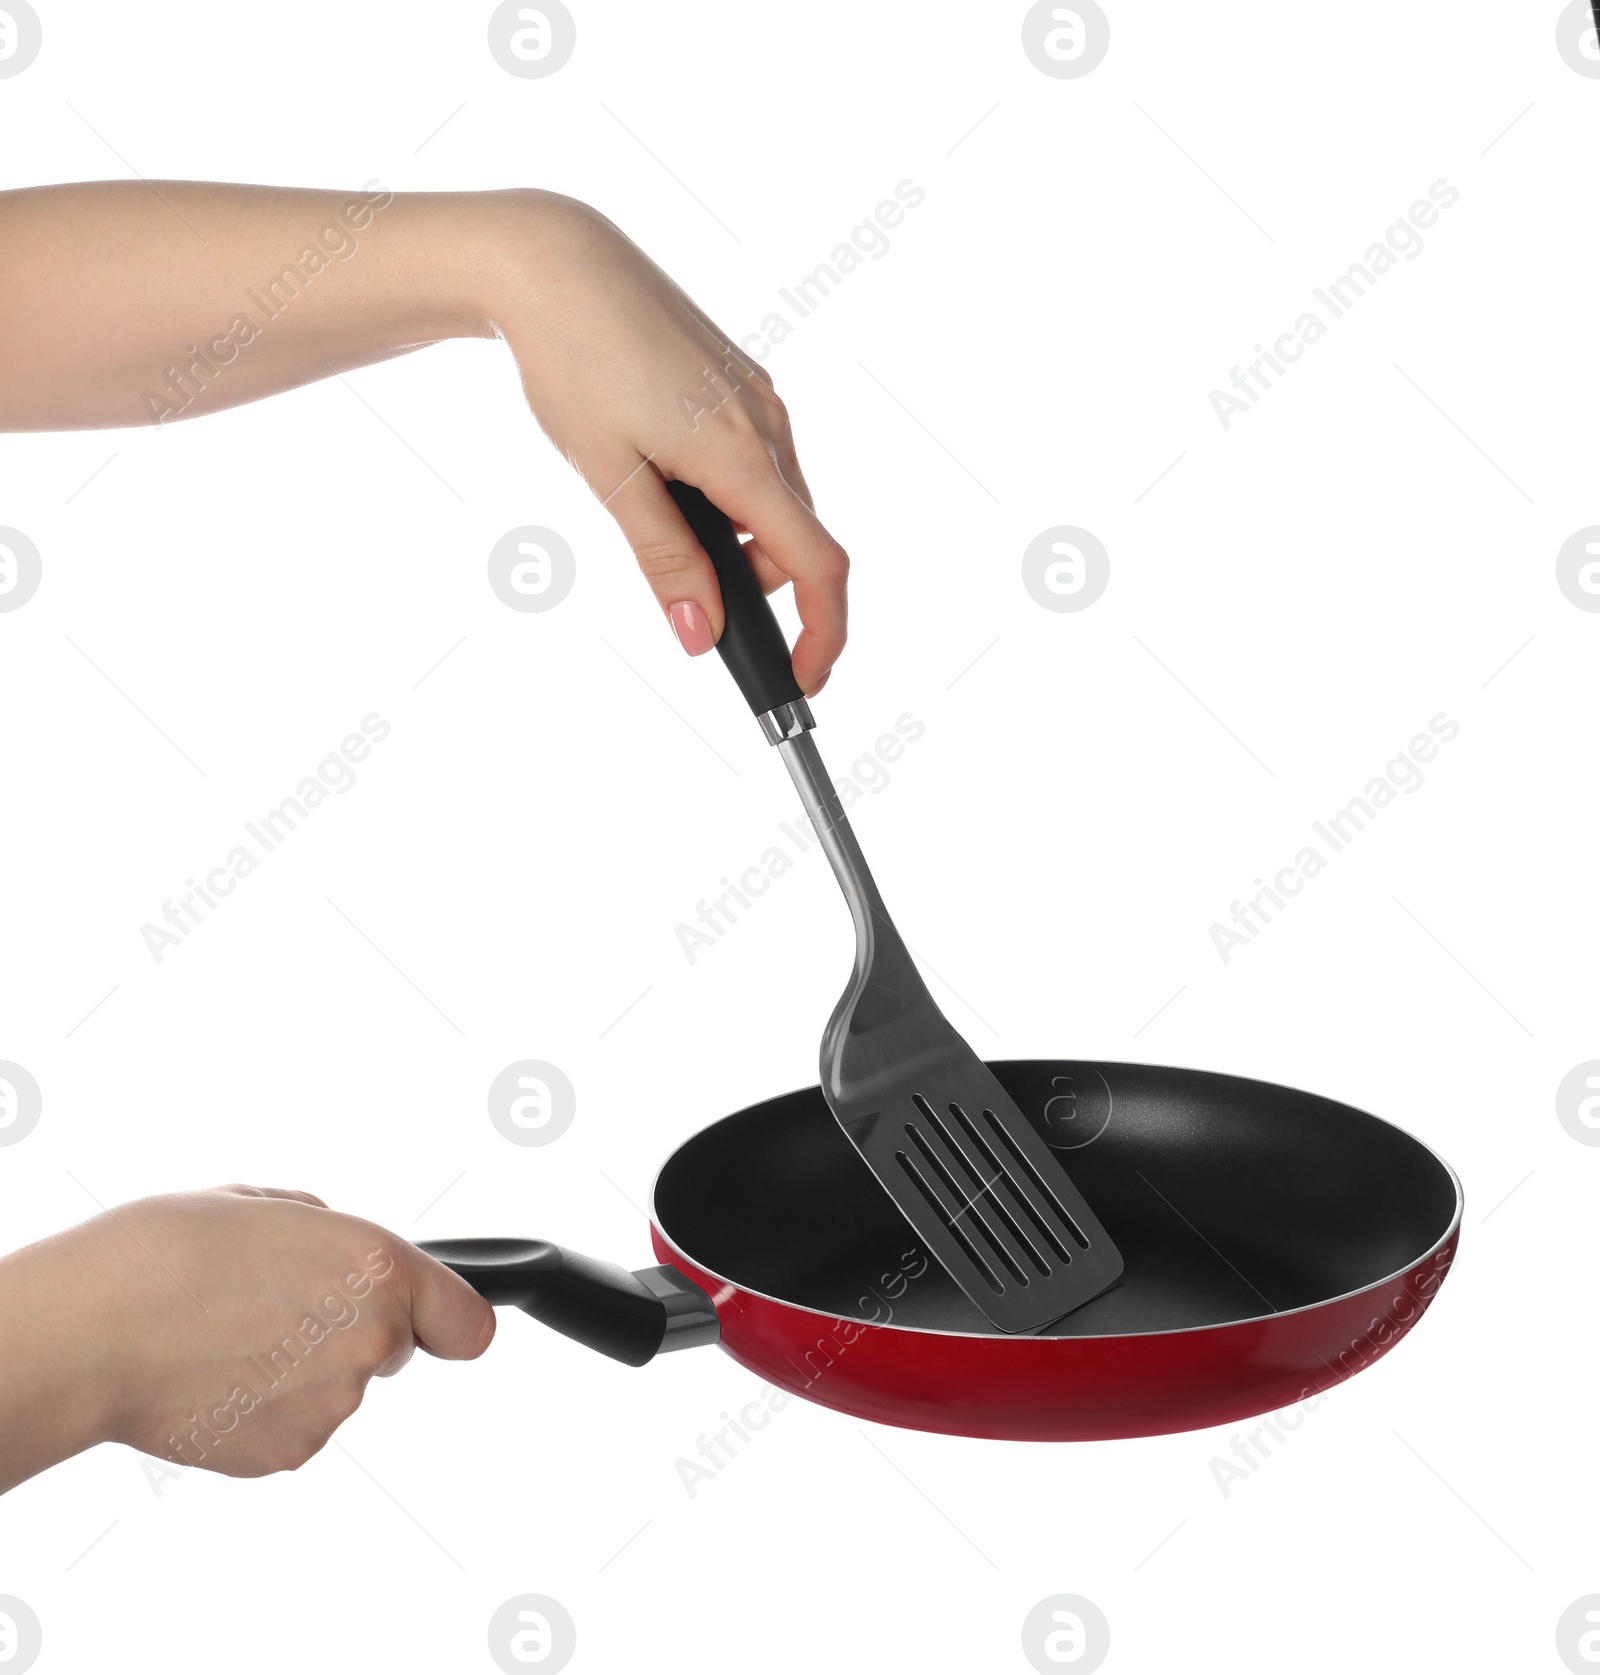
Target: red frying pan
x=1275, y=1243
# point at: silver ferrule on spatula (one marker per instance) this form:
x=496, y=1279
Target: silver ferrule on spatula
x=787, y=721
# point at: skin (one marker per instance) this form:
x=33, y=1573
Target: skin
x=155, y=1325
x=107, y=285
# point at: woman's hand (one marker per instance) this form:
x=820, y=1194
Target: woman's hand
x=132, y=303
x=233, y=1330
x=635, y=385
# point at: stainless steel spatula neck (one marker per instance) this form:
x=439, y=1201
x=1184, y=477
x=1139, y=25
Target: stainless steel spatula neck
x=875, y=1024
x=790, y=729
x=826, y=813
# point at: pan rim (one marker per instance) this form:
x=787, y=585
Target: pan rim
x=1450, y=1232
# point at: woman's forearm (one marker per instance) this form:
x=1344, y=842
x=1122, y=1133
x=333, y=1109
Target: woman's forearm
x=125, y=304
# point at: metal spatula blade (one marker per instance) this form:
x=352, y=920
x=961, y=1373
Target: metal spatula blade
x=984, y=1193
x=978, y=1185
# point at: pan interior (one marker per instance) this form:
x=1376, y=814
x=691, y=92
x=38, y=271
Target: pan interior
x=1230, y=1200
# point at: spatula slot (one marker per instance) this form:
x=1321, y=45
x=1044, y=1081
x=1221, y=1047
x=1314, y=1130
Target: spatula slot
x=983, y=1189
x=1046, y=1232
x=1044, y=1191
x=978, y=1263
x=964, y=1206
x=1035, y=1213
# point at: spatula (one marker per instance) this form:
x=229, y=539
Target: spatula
x=979, y=1186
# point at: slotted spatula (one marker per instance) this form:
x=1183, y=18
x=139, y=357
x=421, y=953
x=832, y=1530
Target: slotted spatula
x=979, y=1186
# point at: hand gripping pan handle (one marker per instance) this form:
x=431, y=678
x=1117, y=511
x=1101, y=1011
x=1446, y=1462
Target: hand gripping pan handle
x=632, y=1317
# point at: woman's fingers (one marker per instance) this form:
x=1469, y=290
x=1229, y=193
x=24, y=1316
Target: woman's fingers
x=678, y=571
x=767, y=573
x=296, y=1197
x=789, y=465
x=791, y=538
x=788, y=543
x=448, y=1318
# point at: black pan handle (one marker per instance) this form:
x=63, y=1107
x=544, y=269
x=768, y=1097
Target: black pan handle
x=752, y=645
x=631, y=1317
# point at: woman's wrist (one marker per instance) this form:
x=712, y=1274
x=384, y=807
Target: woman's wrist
x=63, y=1361
x=513, y=243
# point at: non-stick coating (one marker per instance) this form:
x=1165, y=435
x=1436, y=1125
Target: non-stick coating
x=1231, y=1200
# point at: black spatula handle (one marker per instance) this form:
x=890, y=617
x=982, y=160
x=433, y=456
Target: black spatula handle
x=752, y=644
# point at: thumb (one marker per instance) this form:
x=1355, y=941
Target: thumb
x=678, y=571
x=448, y=1318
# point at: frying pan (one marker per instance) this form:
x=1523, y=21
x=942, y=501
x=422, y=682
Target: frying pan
x=1275, y=1244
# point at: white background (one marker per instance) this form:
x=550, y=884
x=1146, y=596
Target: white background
x=1342, y=564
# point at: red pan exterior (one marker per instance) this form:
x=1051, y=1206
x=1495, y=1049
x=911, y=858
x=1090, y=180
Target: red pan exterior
x=1068, y=1389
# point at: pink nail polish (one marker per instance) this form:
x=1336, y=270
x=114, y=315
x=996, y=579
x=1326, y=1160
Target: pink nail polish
x=689, y=623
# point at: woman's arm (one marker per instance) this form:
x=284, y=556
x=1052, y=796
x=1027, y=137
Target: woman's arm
x=123, y=303
x=232, y=1331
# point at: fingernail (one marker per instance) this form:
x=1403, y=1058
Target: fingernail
x=819, y=686
x=689, y=623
